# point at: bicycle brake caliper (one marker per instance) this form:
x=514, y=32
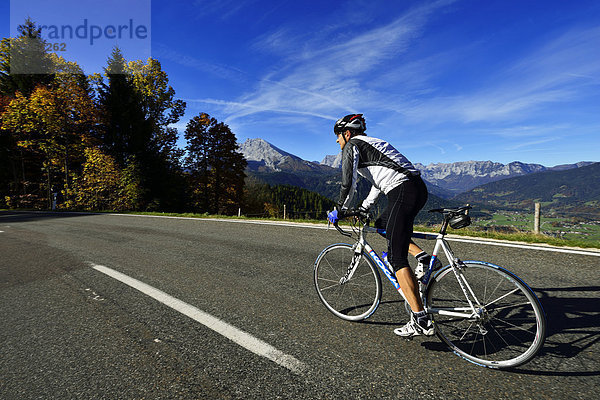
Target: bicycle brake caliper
x=461, y=265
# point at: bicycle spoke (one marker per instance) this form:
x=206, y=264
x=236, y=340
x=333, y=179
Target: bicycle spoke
x=329, y=287
x=528, y=303
x=466, y=331
x=514, y=326
x=501, y=297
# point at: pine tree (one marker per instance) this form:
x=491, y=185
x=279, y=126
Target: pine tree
x=215, y=166
x=229, y=166
x=197, y=161
x=24, y=61
x=139, y=106
x=123, y=129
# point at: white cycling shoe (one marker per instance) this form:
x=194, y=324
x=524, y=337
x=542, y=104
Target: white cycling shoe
x=412, y=328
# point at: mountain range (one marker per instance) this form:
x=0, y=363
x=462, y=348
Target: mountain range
x=477, y=182
x=570, y=192
x=454, y=178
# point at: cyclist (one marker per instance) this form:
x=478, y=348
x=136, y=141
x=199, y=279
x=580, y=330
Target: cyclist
x=392, y=173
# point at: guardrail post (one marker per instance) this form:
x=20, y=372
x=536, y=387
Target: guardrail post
x=536, y=218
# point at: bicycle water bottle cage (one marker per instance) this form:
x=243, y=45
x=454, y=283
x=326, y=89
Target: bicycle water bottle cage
x=459, y=221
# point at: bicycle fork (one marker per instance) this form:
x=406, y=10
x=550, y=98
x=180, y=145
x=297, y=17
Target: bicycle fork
x=356, y=257
x=477, y=311
x=351, y=268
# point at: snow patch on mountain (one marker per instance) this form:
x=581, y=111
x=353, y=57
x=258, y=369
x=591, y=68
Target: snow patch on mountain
x=478, y=169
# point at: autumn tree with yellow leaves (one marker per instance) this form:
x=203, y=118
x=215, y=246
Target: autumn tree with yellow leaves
x=106, y=141
x=53, y=125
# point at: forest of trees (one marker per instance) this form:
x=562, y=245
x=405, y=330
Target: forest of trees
x=263, y=200
x=105, y=142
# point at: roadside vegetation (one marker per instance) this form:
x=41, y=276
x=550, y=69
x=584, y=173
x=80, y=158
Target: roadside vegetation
x=554, y=230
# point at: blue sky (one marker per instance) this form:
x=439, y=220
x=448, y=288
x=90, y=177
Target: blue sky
x=444, y=81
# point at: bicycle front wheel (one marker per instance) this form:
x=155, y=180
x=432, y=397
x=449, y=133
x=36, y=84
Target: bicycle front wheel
x=354, y=299
x=505, y=326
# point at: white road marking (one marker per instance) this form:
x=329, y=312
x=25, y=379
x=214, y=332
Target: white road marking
x=232, y=333
x=456, y=238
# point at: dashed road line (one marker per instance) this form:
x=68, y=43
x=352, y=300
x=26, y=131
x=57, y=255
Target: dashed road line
x=232, y=333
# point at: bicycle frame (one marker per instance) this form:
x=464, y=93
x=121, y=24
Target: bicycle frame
x=441, y=244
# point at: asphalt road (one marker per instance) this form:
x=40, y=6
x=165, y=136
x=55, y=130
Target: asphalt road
x=69, y=331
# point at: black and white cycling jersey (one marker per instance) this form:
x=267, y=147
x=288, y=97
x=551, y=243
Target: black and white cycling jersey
x=377, y=161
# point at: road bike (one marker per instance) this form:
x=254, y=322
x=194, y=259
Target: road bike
x=483, y=312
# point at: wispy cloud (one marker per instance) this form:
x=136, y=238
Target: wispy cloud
x=402, y=78
x=222, y=9
x=529, y=131
x=531, y=143
x=254, y=108
x=564, y=69
x=327, y=76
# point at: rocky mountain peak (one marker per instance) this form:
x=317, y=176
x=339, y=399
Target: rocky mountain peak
x=333, y=161
x=263, y=156
x=261, y=151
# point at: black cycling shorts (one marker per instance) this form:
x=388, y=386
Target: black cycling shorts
x=404, y=203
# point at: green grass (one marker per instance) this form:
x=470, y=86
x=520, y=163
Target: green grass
x=531, y=238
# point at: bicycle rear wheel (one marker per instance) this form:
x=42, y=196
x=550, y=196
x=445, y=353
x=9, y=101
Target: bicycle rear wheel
x=509, y=325
x=352, y=300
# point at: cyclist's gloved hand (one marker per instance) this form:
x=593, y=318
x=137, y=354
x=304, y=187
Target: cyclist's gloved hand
x=335, y=215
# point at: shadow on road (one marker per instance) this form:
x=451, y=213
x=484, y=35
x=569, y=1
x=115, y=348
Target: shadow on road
x=573, y=333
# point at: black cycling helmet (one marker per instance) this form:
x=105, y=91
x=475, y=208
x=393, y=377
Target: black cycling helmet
x=355, y=122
